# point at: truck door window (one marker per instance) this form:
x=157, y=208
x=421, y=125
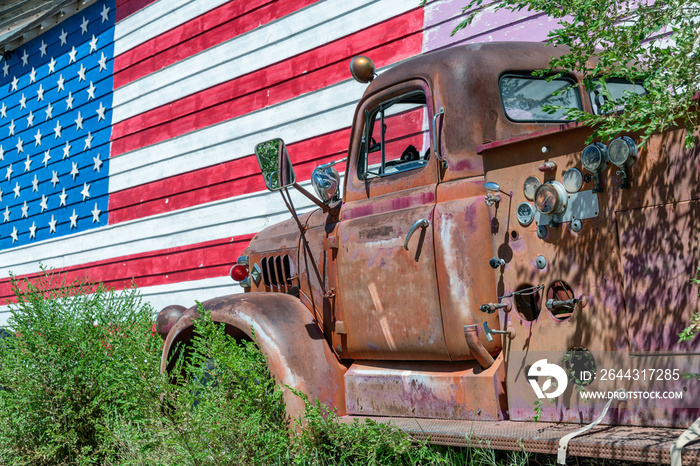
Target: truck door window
x=524, y=97
x=396, y=136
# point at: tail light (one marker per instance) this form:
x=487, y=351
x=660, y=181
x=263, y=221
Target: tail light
x=239, y=272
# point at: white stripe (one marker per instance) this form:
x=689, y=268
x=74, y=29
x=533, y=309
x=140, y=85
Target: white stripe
x=184, y=293
x=327, y=110
x=314, y=26
x=237, y=216
x=157, y=18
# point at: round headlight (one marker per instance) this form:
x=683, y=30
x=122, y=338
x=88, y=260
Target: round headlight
x=622, y=151
x=595, y=157
x=550, y=198
x=530, y=186
x=573, y=180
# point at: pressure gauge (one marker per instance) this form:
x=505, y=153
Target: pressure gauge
x=550, y=198
x=595, y=157
x=573, y=180
x=623, y=151
x=525, y=213
x=530, y=186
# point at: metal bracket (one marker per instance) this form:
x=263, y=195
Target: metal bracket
x=436, y=147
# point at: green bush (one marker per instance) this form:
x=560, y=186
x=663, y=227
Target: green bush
x=82, y=356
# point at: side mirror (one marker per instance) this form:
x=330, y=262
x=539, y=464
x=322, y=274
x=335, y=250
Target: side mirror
x=277, y=169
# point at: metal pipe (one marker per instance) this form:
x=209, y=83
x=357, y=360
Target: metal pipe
x=482, y=356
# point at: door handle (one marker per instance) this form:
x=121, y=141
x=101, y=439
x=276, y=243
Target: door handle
x=422, y=223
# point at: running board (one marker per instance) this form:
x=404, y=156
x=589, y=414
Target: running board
x=629, y=443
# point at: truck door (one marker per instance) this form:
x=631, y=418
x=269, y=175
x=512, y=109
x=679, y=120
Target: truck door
x=388, y=297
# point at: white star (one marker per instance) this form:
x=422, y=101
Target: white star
x=42, y=48
x=52, y=65
x=25, y=58
x=7, y=214
x=35, y=184
x=40, y=93
x=44, y=203
x=6, y=69
x=95, y=214
x=88, y=141
x=15, y=82
x=98, y=163
x=86, y=191
x=75, y=172
x=61, y=84
x=25, y=210
x=30, y=119
x=9, y=172
x=47, y=157
x=32, y=76
x=32, y=230
x=79, y=122
x=101, y=112
x=91, y=91
x=12, y=128
x=20, y=145
x=16, y=190
x=27, y=164
x=3, y=110
x=14, y=235
x=74, y=220
x=69, y=101
x=105, y=13
x=66, y=150
x=57, y=130
x=49, y=111
x=54, y=178
x=63, y=37
x=84, y=25
x=37, y=138
x=63, y=197
x=81, y=73
x=72, y=55
x=52, y=225
x=2, y=153
x=103, y=63
x=93, y=44
x=23, y=102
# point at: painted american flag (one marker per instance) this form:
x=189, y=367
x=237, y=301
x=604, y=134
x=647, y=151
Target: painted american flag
x=127, y=130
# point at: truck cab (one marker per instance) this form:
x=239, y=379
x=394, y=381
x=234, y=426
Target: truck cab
x=480, y=233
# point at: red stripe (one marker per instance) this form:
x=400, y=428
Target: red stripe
x=127, y=7
x=216, y=182
x=205, y=31
x=192, y=262
x=400, y=38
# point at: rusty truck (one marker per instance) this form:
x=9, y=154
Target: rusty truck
x=483, y=271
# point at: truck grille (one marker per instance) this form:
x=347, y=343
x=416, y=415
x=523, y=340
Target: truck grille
x=277, y=272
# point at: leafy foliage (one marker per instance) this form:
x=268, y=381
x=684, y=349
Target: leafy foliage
x=653, y=43
x=80, y=356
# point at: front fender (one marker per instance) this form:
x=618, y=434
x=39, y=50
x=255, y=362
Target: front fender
x=296, y=351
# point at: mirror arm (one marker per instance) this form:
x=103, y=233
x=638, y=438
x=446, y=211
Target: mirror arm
x=325, y=208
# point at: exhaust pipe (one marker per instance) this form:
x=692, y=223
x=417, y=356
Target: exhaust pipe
x=478, y=351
